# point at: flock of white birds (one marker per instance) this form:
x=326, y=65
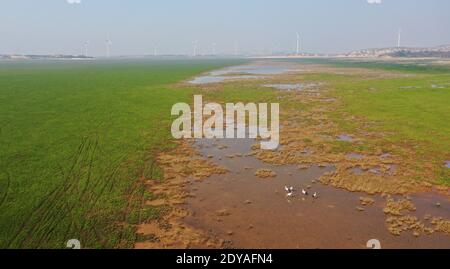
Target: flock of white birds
x=290, y=192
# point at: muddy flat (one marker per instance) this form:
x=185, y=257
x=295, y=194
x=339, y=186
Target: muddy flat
x=328, y=185
x=257, y=213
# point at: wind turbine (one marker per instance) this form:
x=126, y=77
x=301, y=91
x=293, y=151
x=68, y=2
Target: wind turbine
x=236, y=48
x=214, y=48
x=108, y=47
x=195, y=45
x=399, y=40
x=298, y=44
x=155, y=53
x=86, y=45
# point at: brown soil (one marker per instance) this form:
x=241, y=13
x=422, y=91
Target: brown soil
x=170, y=231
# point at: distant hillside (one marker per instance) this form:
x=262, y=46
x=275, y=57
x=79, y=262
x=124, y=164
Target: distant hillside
x=435, y=52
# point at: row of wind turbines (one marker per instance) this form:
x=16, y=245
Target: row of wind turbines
x=195, y=43
x=108, y=44
x=297, y=51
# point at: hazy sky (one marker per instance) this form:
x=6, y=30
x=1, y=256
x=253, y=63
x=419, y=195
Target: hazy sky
x=135, y=27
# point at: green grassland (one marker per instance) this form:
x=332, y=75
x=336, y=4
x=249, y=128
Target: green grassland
x=414, y=109
x=77, y=138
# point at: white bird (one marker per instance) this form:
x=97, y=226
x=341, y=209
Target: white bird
x=304, y=192
x=315, y=195
x=290, y=194
x=288, y=189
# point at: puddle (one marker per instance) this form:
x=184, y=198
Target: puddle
x=410, y=87
x=447, y=164
x=345, y=138
x=306, y=152
x=239, y=72
x=433, y=86
x=254, y=206
x=217, y=79
x=291, y=87
x=207, y=80
x=260, y=69
x=357, y=170
x=374, y=170
x=330, y=100
x=355, y=156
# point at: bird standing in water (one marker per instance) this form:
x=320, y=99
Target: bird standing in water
x=289, y=191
